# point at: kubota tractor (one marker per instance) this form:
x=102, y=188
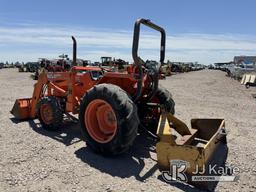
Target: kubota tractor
x=112, y=105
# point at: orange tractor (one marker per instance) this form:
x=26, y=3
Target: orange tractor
x=107, y=102
x=112, y=105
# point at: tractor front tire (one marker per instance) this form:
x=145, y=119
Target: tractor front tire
x=108, y=119
x=49, y=113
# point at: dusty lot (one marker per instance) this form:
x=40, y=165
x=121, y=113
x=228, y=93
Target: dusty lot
x=32, y=159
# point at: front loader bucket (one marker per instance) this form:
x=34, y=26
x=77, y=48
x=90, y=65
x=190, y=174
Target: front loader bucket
x=204, y=147
x=21, y=109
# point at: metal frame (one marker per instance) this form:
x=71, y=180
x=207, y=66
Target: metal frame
x=137, y=60
x=74, y=50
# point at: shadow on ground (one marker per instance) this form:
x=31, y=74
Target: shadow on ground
x=68, y=135
x=129, y=164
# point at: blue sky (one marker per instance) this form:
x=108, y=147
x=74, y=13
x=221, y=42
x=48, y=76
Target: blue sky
x=199, y=30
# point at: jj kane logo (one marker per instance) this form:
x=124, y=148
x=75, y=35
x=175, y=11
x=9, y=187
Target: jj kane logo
x=177, y=171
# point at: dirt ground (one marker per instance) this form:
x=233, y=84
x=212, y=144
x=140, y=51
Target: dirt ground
x=32, y=159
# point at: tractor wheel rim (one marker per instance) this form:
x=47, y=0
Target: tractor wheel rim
x=100, y=121
x=46, y=113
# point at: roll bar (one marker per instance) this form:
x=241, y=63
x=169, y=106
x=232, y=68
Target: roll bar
x=136, y=36
x=136, y=58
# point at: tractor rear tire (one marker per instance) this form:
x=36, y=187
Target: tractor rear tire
x=149, y=117
x=49, y=113
x=93, y=114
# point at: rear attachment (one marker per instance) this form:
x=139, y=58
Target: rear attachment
x=199, y=147
x=22, y=108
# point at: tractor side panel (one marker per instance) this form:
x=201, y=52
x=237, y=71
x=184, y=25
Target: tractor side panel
x=83, y=82
x=125, y=81
x=60, y=79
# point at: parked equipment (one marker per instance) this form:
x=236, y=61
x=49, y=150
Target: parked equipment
x=166, y=69
x=249, y=80
x=111, y=105
x=113, y=64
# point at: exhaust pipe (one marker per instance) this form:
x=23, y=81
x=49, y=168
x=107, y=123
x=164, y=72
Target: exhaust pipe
x=74, y=50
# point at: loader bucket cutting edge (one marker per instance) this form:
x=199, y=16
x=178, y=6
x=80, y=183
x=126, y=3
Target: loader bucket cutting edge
x=21, y=108
x=206, y=145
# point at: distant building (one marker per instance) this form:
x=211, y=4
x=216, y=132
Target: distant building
x=244, y=60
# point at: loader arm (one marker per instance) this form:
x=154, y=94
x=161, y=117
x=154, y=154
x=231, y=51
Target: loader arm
x=26, y=108
x=42, y=80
